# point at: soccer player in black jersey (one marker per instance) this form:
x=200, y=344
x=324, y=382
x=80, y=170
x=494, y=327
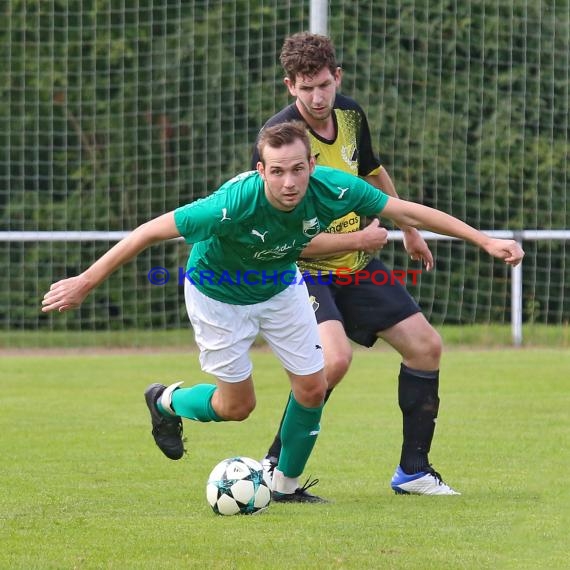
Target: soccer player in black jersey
x=362, y=311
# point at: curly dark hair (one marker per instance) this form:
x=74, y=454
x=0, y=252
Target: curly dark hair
x=306, y=54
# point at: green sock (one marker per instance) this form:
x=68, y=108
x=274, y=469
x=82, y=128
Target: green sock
x=298, y=436
x=195, y=403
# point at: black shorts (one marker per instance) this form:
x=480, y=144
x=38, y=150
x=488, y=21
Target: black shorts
x=366, y=307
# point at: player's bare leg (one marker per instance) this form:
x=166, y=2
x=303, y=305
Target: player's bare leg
x=418, y=395
x=337, y=351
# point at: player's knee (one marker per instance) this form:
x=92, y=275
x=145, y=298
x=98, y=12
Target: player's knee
x=336, y=367
x=424, y=353
x=237, y=411
x=433, y=345
x=311, y=393
x=313, y=399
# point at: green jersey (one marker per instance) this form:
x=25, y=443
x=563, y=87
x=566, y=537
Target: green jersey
x=245, y=249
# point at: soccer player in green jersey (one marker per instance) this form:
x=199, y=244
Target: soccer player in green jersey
x=243, y=281
x=361, y=311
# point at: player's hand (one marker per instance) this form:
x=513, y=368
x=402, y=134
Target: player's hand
x=417, y=248
x=66, y=294
x=373, y=237
x=506, y=249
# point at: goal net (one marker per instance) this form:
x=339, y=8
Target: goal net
x=114, y=112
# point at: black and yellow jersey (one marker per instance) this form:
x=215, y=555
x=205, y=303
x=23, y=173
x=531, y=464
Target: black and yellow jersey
x=350, y=151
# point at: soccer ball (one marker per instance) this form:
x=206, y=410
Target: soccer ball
x=238, y=486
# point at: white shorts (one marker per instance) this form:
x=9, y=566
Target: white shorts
x=224, y=333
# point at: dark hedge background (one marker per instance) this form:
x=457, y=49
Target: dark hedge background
x=111, y=116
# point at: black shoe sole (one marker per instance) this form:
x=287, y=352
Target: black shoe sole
x=297, y=498
x=172, y=450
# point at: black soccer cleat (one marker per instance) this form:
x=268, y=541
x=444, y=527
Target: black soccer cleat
x=300, y=495
x=167, y=431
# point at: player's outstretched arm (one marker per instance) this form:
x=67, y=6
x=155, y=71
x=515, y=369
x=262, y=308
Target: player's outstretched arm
x=416, y=215
x=70, y=293
x=414, y=243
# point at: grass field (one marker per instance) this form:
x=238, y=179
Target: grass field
x=481, y=335
x=83, y=486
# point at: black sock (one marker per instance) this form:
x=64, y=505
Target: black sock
x=275, y=447
x=419, y=402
